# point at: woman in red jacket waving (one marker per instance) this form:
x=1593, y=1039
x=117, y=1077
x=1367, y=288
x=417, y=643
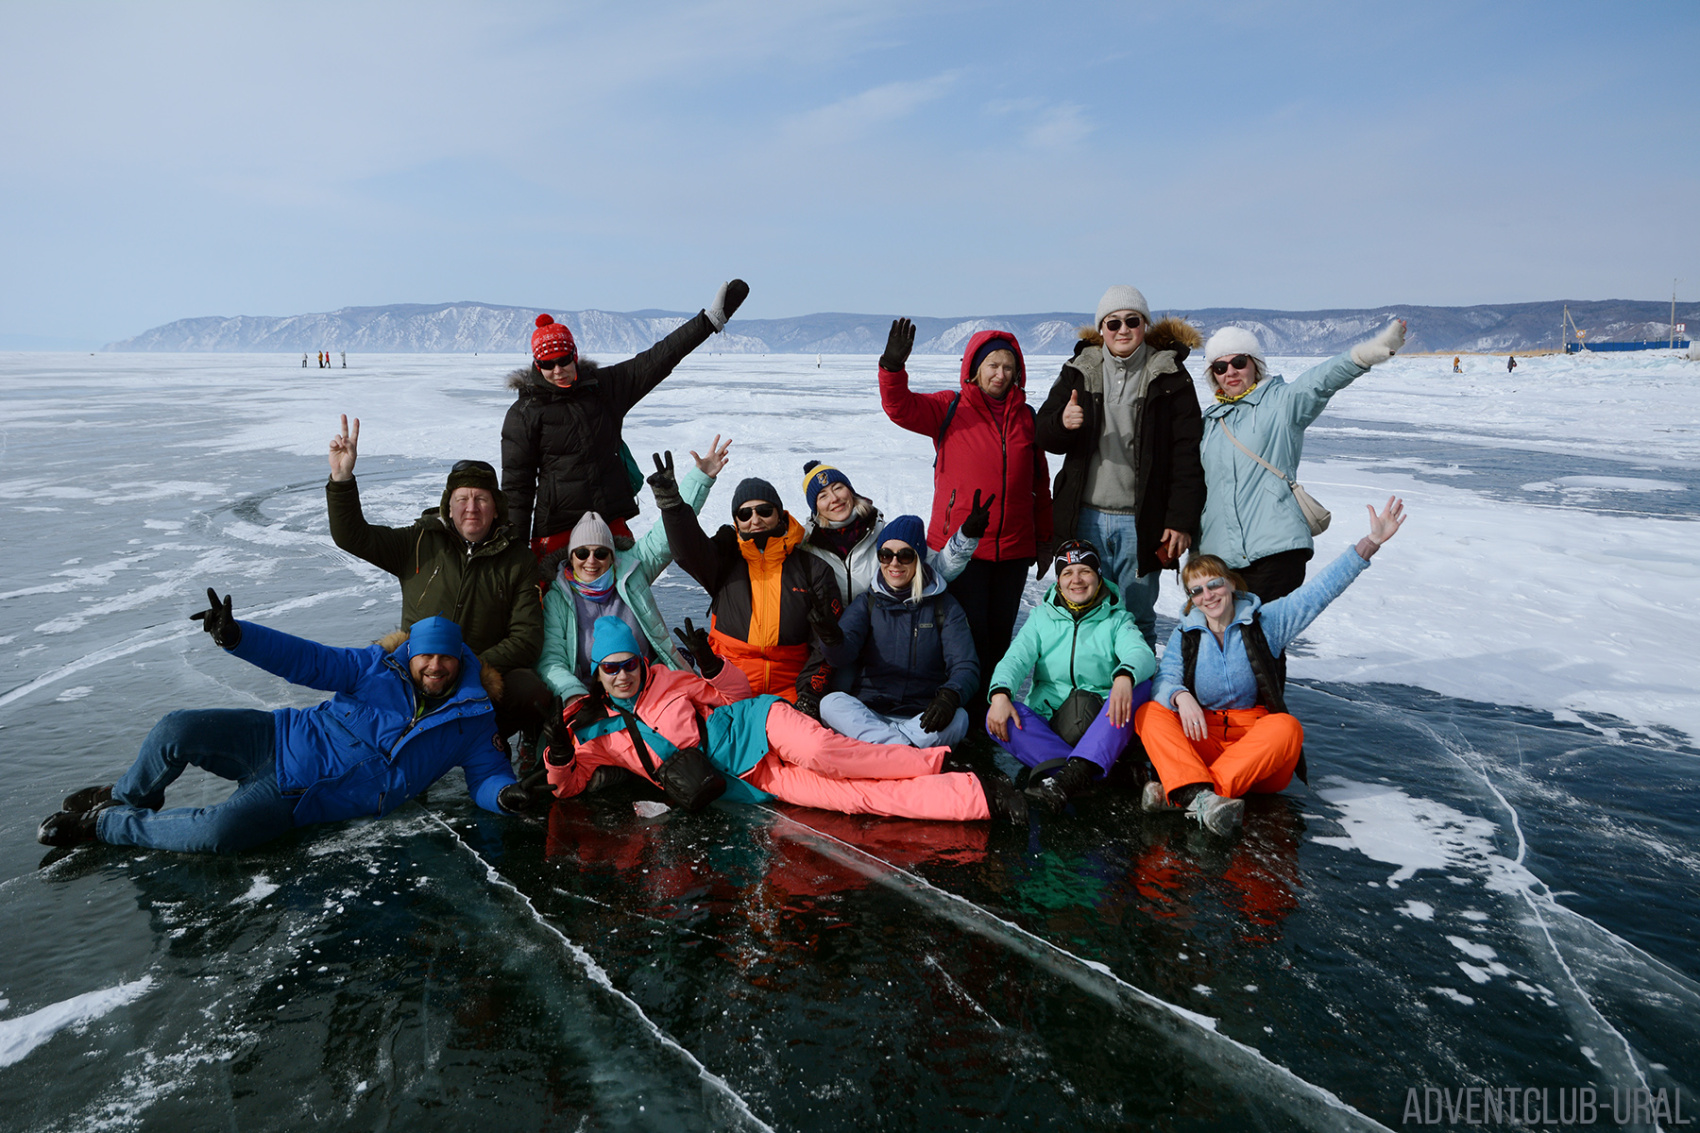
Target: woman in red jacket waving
x=984, y=437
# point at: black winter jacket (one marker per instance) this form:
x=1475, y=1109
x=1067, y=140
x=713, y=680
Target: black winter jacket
x=561, y=447
x=1169, y=477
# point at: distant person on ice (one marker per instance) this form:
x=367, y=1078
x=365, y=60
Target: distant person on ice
x=460, y=559
x=562, y=450
x=1254, y=436
x=1510, y=363
x=1217, y=727
x=1457, y=365
x=406, y=710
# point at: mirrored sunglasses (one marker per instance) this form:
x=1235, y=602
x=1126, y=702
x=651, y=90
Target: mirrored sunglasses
x=1212, y=585
x=615, y=668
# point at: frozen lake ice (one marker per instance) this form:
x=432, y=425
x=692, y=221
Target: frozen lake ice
x=1490, y=883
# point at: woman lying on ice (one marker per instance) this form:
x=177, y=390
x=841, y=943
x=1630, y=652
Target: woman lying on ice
x=1217, y=727
x=763, y=747
x=841, y=528
x=1091, y=668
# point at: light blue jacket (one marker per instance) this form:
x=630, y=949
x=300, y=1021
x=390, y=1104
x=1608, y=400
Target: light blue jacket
x=1224, y=678
x=634, y=570
x=1249, y=512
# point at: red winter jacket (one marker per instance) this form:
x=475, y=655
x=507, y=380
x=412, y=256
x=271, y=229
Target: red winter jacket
x=981, y=450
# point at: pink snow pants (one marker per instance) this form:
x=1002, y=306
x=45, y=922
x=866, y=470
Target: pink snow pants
x=811, y=765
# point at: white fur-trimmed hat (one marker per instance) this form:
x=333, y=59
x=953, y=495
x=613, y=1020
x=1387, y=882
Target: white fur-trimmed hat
x=1122, y=297
x=1232, y=340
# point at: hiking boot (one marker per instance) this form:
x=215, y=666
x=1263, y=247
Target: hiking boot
x=86, y=799
x=1155, y=798
x=1003, y=800
x=70, y=828
x=1054, y=793
x=1216, y=814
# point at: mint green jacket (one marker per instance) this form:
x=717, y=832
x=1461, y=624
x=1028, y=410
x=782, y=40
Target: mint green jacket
x=1064, y=654
x=634, y=570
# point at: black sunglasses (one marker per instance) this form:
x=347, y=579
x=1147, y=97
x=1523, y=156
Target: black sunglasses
x=745, y=514
x=905, y=556
x=1134, y=322
x=600, y=554
x=560, y=363
x=1223, y=365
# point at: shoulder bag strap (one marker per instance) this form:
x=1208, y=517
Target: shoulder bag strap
x=642, y=748
x=1285, y=479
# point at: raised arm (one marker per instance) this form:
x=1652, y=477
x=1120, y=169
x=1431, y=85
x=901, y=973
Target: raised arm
x=693, y=550
x=629, y=381
x=1311, y=390
x=916, y=412
x=1285, y=618
x=384, y=547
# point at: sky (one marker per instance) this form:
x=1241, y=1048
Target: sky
x=172, y=160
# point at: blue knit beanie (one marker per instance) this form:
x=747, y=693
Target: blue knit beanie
x=905, y=529
x=989, y=347
x=610, y=636
x=816, y=477
x=434, y=635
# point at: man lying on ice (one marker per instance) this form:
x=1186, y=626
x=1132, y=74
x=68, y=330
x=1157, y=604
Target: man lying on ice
x=405, y=711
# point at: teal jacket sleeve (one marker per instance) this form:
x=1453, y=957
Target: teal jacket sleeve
x=1018, y=660
x=1285, y=618
x=1133, y=656
x=1308, y=394
x=560, y=645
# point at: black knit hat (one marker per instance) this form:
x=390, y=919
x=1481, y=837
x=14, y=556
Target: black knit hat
x=755, y=488
x=1078, y=551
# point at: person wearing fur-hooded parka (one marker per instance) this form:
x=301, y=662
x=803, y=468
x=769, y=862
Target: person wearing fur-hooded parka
x=561, y=439
x=1124, y=416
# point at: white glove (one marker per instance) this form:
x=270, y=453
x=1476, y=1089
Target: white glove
x=727, y=300
x=1382, y=347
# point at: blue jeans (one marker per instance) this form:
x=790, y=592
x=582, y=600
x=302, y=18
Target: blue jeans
x=232, y=743
x=848, y=716
x=1118, y=550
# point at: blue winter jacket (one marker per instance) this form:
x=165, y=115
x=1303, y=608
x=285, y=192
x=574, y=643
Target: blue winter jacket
x=1224, y=678
x=1249, y=512
x=359, y=754
x=907, y=649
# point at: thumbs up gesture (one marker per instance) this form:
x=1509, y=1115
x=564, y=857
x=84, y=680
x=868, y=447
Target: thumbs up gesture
x=1073, y=416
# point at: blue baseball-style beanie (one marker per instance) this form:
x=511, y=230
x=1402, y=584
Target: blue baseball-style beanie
x=907, y=529
x=816, y=476
x=434, y=635
x=610, y=636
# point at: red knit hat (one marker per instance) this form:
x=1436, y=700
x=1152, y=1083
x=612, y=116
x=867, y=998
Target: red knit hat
x=552, y=340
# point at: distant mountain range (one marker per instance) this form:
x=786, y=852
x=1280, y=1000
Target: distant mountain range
x=485, y=328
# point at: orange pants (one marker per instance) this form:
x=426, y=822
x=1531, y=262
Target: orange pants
x=1245, y=750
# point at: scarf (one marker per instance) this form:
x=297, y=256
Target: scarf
x=1224, y=399
x=1081, y=610
x=596, y=590
x=840, y=538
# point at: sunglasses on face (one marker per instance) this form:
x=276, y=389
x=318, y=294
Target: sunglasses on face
x=600, y=554
x=1134, y=322
x=560, y=363
x=615, y=668
x=906, y=556
x=745, y=514
x=1223, y=365
x=1213, y=585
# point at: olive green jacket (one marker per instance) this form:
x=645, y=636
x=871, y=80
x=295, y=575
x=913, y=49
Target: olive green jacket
x=490, y=590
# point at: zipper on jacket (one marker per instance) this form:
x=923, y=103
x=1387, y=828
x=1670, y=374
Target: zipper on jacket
x=1003, y=438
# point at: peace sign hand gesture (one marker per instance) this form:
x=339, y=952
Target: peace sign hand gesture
x=344, y=451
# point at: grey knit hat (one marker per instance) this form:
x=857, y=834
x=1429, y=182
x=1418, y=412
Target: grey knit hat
x=590, y=531
x=1122, y=297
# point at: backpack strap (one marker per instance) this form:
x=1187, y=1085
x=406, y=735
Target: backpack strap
x=949, y=415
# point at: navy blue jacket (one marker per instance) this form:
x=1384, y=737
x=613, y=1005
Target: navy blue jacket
x=907, y=649
x=360, y=754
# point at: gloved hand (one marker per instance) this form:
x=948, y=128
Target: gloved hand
x=727, y=300
x=695, y=639
x=219, y=621
x=554, y=740
x=979, y=517
x=941, y=711
x=808, y=702
x=825, y=623
x=528, y=796
x=664, y=483
x=590, y=710
x=1382, y=347
x=898, y=346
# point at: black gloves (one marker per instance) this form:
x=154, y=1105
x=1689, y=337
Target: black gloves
x=219, y=621
x=825, y=623
x=590, y=710
x=695, y=639
x=528, y=796
x=898, y=346
x=664, y=483
x=941, y=711
x=808, y=702
x=979, y=517
x=554, y=741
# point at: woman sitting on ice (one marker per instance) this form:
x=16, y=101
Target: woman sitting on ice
x=1252, y=520
x=911, y=644
x=1217, y=728
x=596, y=579
x=841, y=528
x=1091, y=668
x=762, y=746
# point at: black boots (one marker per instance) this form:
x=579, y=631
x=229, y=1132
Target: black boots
x=1053, y=793
x=71, y=827
x=1002, y=799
